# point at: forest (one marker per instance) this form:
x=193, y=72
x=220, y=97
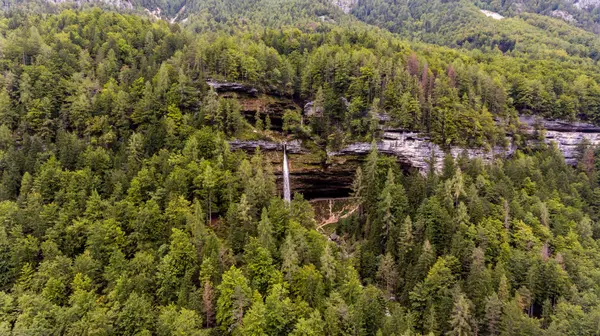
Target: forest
x=124, y=210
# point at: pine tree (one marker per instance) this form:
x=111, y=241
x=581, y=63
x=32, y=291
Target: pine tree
x=209, y=180
x=265, y=231
x=478, y=281
x=493, y=315
x=503, y=289
x=458, y=186
x=290, y=258
x=405, y=243
x=279, y=311
x=460, y=321
x=371, y=184
x=328, y=265
x=358, y=187
x=267, y=123
x=385, y=212
x=258, y=123
x=388, y=274
x=312, y=326
x=424, y=262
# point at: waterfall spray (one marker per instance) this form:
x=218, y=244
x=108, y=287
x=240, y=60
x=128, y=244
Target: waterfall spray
x=286, y=177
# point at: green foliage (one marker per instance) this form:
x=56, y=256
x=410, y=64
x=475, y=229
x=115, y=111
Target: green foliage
x=123, y=210
x=235, y=297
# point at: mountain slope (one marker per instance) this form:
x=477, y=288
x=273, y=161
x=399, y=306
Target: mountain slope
x=401, y=13
x=462, y=24
x=124, y=210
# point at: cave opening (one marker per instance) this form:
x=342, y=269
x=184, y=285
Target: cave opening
x=328, y=182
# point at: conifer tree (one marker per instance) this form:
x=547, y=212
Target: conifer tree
x=460, y=322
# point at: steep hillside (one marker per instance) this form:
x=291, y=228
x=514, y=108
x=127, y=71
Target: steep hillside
x=402, y=16
x=463, y=24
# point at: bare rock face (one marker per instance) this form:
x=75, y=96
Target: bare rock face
x=331, y=174
x=416, y=151
x=567, y=135
x=252, y=100
x=311, y=110
x=231, y=87
x=345, y=5
x=292, y=147
x=563, y=15
x=310, y=175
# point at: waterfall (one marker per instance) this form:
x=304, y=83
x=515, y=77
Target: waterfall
x=286, y=177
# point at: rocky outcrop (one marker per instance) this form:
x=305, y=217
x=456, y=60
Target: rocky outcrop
x=310, y=174
x=563, y=15
x=331, y=176
x=567, y=135
x=345, y=5
x=220, y=87
x=252, y=100
x=323, y=181
x=491, y=14
x=416, y=151
x=292, y=147
x=532, y=122
x=310, y=110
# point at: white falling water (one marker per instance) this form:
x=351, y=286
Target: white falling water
x=286, y=177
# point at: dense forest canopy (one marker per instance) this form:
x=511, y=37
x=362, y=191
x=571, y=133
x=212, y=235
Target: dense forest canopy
x=124, y=211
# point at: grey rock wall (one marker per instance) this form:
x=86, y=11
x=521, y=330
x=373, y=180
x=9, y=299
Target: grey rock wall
x=417, y=151
x=567, y=135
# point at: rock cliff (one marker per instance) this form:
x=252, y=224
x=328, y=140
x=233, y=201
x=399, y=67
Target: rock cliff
x=566, y=135
x=318, y=177
x=416, y=151
x=330, y=174
x=293, y=147
x=252, y=100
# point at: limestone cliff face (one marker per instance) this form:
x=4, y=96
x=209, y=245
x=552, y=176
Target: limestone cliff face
x=252, y=100
x=292, y=147
x=566, y=135
x=416, y=151
x=330, y=174
x=312, y=175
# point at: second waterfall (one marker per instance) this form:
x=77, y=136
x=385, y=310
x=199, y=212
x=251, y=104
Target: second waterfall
x=286, y=177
